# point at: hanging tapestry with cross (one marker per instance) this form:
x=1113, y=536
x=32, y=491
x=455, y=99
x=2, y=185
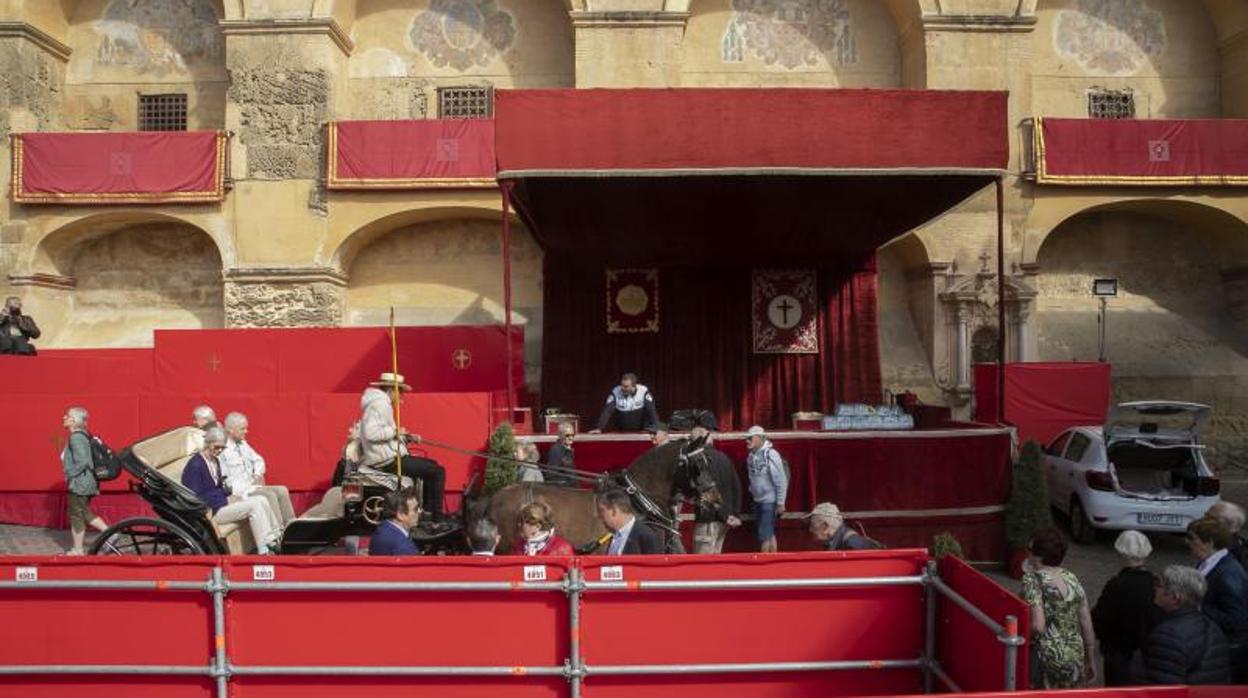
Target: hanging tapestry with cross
x=632, y=301
x=785, y=314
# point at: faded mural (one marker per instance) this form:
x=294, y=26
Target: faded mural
x=461, y=34
x=158, y=36
x=1113, y=37
x=790, y=33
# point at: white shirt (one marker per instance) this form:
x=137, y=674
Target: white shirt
x=621, y=537
x=242, y=466
x=1206, y=566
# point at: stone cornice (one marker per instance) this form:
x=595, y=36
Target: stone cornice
x=615, y=20
x=41, y=280
x=36, y=36
x=979, y=23
x=286, y=275
x=311, y=25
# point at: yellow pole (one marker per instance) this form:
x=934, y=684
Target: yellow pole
x=397, y=400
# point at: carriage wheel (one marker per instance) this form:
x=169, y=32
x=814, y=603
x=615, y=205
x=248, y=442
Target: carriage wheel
x=371, y=510
x=145, y=536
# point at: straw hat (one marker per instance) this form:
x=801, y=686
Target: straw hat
x=389, y=380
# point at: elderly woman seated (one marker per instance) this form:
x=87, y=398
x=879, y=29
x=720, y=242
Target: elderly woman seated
x=202, y=475
x=537, y=532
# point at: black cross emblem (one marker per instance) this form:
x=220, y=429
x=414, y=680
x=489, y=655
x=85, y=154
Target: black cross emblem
x=785, y=307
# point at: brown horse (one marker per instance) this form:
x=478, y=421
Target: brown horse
x=675, y=469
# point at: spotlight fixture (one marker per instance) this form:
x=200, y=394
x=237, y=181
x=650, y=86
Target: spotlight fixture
x=1105, y=287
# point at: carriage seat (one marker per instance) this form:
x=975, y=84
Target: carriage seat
x=168, y=454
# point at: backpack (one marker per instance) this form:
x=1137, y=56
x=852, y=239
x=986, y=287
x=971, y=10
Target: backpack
x=684, y=420
x=104, y=464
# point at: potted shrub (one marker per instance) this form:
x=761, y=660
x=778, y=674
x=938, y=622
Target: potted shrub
x=945, y=543
x=500, y=473
x=1027, y=510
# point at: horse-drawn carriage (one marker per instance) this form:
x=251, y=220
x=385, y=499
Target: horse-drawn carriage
x=182, y=525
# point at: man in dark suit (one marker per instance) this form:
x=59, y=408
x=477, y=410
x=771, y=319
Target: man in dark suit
x=399, y=512
x=630, y=535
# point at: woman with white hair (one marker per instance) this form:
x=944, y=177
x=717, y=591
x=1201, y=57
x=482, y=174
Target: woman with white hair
x=77, y=464
x=203, y=476
x=1125, y=613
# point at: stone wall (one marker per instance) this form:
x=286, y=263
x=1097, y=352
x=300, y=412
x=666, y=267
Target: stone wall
x=1170, y=333
x=122, y=48
x=405, y=51
x=824, y=43
x=145, y=277
x=1165, y=52
x=449, y=273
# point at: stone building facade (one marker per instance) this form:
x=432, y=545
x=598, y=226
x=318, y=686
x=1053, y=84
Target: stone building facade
x=282, y=251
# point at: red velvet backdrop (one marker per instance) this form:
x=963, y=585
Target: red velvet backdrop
x=701, y=356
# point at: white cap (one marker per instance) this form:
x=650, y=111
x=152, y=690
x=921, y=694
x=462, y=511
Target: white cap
x=755, y=431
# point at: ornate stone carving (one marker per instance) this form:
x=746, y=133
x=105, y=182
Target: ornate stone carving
x=790, y=33
x=461, y=34
x=1112, y=37
x=283, y=304
x=283, y=108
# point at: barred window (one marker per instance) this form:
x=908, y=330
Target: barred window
x=468, y=102
x=1111, y=104
x=162, y=112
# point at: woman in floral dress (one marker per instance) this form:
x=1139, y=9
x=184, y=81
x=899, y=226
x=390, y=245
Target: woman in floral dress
x=1062, y=641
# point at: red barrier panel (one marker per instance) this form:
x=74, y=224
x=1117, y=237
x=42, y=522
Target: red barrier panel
x=34, y=435
x=968, y=651
x=82, y=626
x=509, y=628
x=780, y=625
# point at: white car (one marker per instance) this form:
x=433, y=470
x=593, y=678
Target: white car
x=1144, y=470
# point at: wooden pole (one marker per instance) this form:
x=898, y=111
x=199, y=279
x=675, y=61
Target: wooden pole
x=397, y=400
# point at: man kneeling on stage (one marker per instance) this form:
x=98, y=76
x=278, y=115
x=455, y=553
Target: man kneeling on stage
x=399, y=513
x=381, y=441
x=630, y=407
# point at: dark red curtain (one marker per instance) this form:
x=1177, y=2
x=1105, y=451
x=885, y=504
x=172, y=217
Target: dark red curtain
x=701, y=357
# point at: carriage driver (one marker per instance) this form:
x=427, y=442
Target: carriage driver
x=630, y=407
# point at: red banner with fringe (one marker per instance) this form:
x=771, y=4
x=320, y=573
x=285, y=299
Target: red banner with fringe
x=428, y=153
x=146, y=167
x=1158, y=152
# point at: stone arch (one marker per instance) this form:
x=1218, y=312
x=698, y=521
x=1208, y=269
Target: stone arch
x=906, y=317
x=1165, y=53
x=343, y=255
x=443, y=268
x=121, y=47
x=1178, y=328
x=847, y=43
x=405, y=51
x=109, y=280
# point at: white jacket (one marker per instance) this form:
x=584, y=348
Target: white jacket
x=379, y=437
x=242, y=467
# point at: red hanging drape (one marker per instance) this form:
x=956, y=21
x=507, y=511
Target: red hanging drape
x=701, y=357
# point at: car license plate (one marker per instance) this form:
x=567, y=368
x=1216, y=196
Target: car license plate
x=1160, y=519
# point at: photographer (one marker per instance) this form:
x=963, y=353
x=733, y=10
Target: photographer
x=16, y=329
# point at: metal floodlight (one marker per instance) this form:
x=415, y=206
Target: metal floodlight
x=1105, y=287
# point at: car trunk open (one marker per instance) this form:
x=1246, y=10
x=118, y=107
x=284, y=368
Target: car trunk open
x=1158, y=471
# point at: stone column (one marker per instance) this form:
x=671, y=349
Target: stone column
x=284, y=297
x=1022, y=316
x=963, y=347
x=32, y=82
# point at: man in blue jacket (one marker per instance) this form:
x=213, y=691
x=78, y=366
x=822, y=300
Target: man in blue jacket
x=399, y=512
